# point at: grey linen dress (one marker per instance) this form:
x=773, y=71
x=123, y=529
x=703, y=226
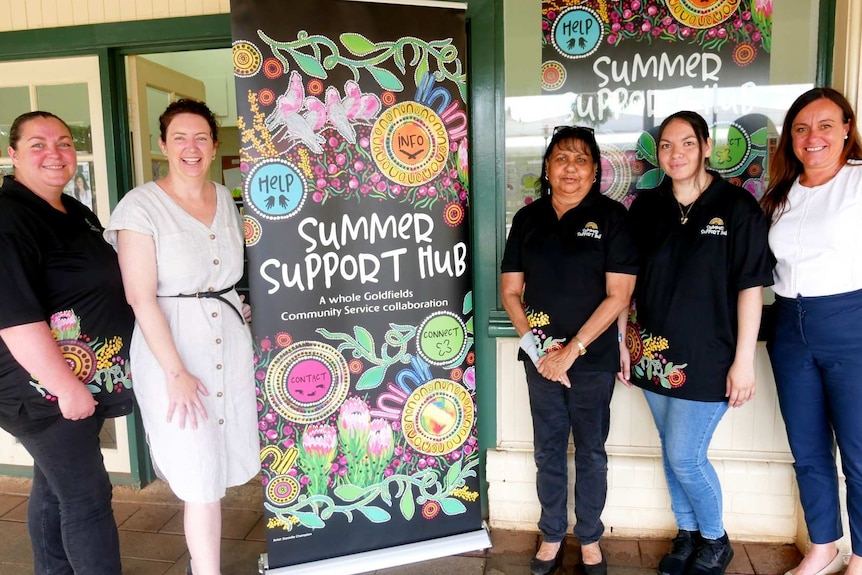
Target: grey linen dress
x=212, y=341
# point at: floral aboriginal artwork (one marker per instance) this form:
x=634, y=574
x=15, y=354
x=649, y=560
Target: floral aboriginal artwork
x=409, y=450
x=709, y=24
x=647, y=358
x=544, y=342
x=93, y=361
x=354, y=158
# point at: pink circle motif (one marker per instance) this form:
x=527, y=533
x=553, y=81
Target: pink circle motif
x=309, y=381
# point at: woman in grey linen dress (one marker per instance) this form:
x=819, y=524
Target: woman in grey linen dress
x=191, y=356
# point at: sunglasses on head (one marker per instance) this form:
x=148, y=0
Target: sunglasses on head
x=573, y=129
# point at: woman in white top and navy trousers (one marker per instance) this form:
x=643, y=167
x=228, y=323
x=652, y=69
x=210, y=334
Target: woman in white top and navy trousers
x=814, y=202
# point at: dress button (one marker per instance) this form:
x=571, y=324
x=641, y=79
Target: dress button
x=221, y=421
x=218, y=366
x=219, y=394
x=215, y=262
x=212, y=236
x=218, y=340
x=215, y=314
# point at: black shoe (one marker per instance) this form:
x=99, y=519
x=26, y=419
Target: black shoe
x=713, y=556
x=540, y=567
x=598, y=568
x=681, y=554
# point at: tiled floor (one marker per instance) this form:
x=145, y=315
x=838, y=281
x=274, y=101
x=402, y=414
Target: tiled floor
x=151, y=541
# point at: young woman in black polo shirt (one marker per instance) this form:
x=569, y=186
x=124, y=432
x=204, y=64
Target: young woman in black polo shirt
x=693, y=326
x=567, y=273
x=65, y=329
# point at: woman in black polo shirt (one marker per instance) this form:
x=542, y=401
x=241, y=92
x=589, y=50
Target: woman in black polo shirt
x=693, y=326
x=65, y=329
x=567, y=274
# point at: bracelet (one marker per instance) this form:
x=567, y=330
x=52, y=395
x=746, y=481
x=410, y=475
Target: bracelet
x=619, y=337
x=582, y=349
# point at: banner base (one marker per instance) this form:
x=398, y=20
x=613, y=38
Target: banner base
x=388, y=557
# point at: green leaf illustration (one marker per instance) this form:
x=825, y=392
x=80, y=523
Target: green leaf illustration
x=469, y=325
x=372, y=378
x=452, y=506
x=408, y=506
x=650, y=179
x=348, y=492
x=364, y=338
x=375, y=514
x=760, y=137
x=308, y=64
x=420, y=71
x=357, y=44
x=638, y=371
x=386, y=79
x=452, y=475
x=646, y=148
x=310, y=520
x=468, y=303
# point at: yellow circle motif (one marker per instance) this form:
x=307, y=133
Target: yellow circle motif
x=409, y=144
x=438, y=417
x=246, y=59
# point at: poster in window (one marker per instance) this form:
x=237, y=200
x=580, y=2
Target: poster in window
x=629, y=64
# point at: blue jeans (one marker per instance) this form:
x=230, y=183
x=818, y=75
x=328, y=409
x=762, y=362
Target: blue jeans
x=71, y=523
x=584, y=411
x=816, y=355
x=685, y=428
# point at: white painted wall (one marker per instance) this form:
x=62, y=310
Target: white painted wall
x=32, y=14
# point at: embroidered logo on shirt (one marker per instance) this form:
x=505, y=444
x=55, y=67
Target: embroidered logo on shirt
x=715, y=227
x=93, y=227
x=591, y=230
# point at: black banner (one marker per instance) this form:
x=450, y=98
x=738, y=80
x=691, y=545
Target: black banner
x=355, y=183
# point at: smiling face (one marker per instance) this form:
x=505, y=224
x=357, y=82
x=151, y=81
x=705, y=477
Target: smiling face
x=571, y=170
x=680, y=154
x=44, y=156
x=818, y=133
x=189, y=146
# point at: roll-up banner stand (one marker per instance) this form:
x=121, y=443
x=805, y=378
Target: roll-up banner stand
x=354, y=156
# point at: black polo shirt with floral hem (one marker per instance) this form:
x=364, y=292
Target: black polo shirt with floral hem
x=564, y=262
x=57, y=268
x=683, y=323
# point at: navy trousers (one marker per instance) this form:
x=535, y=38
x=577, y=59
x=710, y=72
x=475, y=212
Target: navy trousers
x=816, y=355
x=584, y=412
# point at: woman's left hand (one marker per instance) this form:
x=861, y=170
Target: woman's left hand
x=740, y=383
x=554, y=365
x=246, y=309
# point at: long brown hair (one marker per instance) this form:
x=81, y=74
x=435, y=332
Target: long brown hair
x=785, y=167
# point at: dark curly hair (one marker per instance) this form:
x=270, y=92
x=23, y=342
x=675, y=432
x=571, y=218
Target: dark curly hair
x=187, y=106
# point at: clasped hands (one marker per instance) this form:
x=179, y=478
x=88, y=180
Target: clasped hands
x=554, y=364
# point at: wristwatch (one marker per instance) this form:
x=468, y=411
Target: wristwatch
x=582, y=349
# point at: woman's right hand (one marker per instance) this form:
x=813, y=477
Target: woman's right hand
x=625, y=373
x=184, y=392
x=77, y=403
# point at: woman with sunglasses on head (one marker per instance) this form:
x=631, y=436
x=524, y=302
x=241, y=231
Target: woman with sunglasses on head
x=567, y=274
x=693, y=326
x=814, y=202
